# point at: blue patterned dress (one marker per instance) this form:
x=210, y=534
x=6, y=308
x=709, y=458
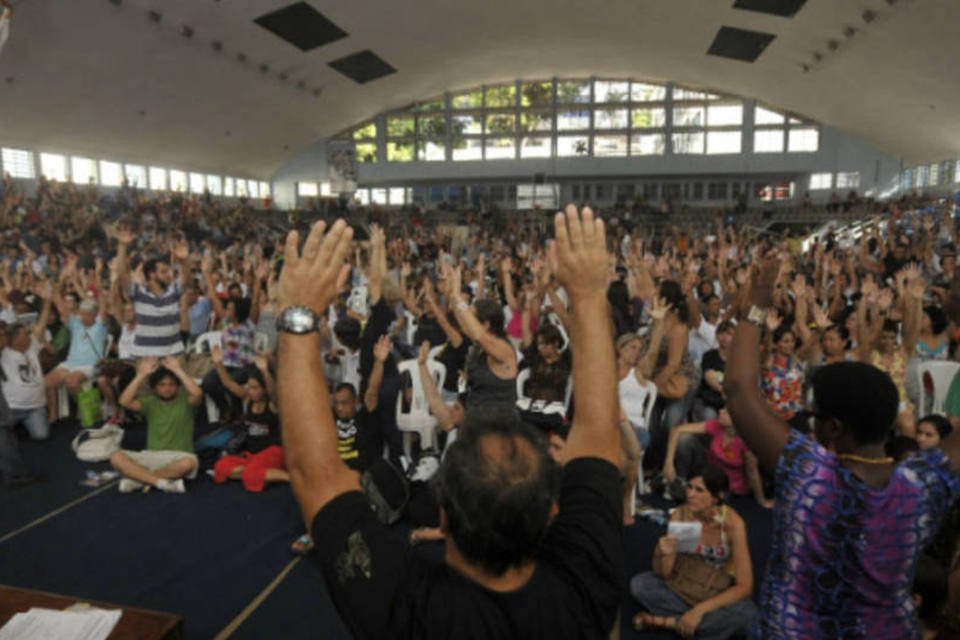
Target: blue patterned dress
x=844, y=554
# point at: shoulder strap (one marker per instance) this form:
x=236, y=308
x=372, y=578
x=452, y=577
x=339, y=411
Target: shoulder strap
x=86, y=334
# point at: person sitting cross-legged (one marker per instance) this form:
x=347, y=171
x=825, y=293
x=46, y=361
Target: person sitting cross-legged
x=169, y=414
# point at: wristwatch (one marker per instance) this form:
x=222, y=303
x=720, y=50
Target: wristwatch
x=757, y=315
x=298, y=321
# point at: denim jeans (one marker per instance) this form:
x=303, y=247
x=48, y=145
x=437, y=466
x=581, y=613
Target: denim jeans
x=35, y=420
x=652, y=592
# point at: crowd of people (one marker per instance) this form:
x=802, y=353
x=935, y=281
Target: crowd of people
x=517, y=391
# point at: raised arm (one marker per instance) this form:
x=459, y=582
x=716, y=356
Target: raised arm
x=669, y=470
x=262, y=363
x=216, y=354
x=438, y=407
x=495, y=347
x=381, y=351
x=128, y=399
x=206, y=273
x=124, y=238
x=311, y=279
x=192, y=388
x=763, y=431
x=579, y=257
x=454, y=337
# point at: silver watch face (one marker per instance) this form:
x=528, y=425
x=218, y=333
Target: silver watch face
x=297, y=320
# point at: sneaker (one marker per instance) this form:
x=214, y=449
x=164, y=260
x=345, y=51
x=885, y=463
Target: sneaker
x=171, y=486
x=128, y=485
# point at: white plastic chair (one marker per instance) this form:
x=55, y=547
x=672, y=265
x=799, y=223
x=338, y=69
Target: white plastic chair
x=418, y=419
x=941, y=373
x=648, y=403
x=260, y=342
x=410, y=327
x=526, y=403
x=554, y=319
x=204, y=344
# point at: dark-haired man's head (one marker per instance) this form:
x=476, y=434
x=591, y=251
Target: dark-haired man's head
x=347, y=331
x=854, y=404
x=165, y=384
x=345, y=401
x=497, y=488
x=158, y=273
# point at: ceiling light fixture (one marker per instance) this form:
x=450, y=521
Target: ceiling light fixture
x=241, y=58
x=849, y=32
x=264, y=68
x=869, y=16
x=316, y=93
x=284, y=76
x=186, y=31
x=301, y=85
x=833, y=45
x=217, y=45
x=817, y=57
x=116, y=3
x=154, y=16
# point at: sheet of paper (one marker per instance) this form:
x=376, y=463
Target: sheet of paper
x=50, y=624
x=687, y=535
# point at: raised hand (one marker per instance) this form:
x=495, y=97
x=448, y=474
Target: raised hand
x=773, y=320
x=216, y=354
x=450, y=277
x=180, y=250
x=381, y=350
x=578, y=256
x=885, y=299
x=173, y=363
x=261, y=361
x=423, y=353
x=660, y=309
x=820, y=316
x=313, y=277
x=764, y=281
x=147, y=365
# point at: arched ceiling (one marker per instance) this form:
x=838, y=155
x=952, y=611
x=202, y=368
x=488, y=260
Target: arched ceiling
x=99, y=77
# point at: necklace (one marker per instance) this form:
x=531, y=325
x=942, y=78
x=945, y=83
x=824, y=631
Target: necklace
x=855, y=458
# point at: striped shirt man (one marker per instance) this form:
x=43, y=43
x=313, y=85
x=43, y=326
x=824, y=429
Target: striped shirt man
x=158, y=321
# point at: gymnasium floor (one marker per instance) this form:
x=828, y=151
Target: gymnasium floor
x=218, y=556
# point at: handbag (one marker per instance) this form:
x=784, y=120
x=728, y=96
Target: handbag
x=89, y=404
x=97, y=445
x=695, y=580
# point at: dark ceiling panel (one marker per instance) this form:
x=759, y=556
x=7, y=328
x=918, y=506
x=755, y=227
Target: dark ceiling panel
x=363, y=67
x=782, y=8
x=302, y=26
x=740, y=44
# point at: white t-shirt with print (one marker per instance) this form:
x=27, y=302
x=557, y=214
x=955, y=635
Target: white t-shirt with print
x=23, y=385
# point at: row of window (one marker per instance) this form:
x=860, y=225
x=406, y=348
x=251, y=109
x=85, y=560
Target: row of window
x=933, y=175
x=570, y=118
x=20, y=163
x=845, y=180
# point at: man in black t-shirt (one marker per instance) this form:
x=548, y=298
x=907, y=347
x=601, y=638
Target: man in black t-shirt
x=532, y=551
x=358, y=438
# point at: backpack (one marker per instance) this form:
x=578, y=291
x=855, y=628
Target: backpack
x=387, y=489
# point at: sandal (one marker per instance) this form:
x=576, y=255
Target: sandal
x=302, y=545
x=647, y=621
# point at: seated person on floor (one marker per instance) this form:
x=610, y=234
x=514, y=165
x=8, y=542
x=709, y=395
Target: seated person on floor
x=261, y=459
x=14, y=472
x=168, y=411
x=23, y=382
x=88, y=342
x=704, y=591
x=715, y=442
x=522, y=534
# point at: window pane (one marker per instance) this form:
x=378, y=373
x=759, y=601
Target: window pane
x=366, y=152
x=430, y=105
x=178, y=181
x=468, y=149
x=688, y=143
x=648, y=118
x=215, y=185
x=431, y=151
x=397, y=195
x=467, y=123
x=607, y=91
x=253, y=188
x=536, y=121
x=378, y=196
x=400, y=126
x=158, y=179
x=228, y=189
x=53, y=166
x=501, y=124
x=307, y=189
x=325, y=190
x=401, y=151
x=610, y=146
x=723, y=142
x=82, y=170
x=500, y=148
x=469, y=100
x=362, y=196
x=724, y=115
x=111, y=174
x=197, y=183
x=573, y=120
x=647, y=144
x=688, y=94
x=640, y=92
x=568, y=146
x=136, y=175
x=804, y=140
x=366, y=132
x=535, y=147
x=242, y=188
x=501, y=96
x=688, y=117
x=851, y=180
x=432, y=128
x=821, y=181
x=573, y=91
x=18, y=163
x=265, y=189
x=768, y=141
x=536, y=94
x=610, y=119
x=765, y=116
